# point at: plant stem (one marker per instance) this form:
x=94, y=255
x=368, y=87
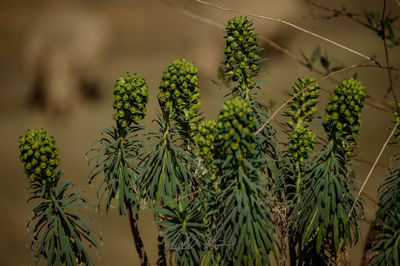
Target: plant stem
x=136, y=236
x=162, y=261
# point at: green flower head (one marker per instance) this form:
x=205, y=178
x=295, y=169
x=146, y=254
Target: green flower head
x=301, y=143
x=205, y=141
x=179, y=90
x=302, y=107
x=39, y=155
x=130, y=99
x=235, y=130
x=343, y=112
x=242, y=61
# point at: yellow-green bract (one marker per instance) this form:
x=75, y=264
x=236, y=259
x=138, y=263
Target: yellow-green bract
x=242, y=61
x=39, y=155
x=343, y=112
x=235, y=130
x=179, y=90
x=130, y=99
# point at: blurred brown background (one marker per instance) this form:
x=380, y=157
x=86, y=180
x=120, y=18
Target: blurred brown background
x=65, y=46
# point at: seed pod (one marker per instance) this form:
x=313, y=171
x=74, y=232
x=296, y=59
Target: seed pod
x=345, y=122
x=130, y=98
x=37, y=165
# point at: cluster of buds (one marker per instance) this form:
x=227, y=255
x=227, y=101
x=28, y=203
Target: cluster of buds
x=39, y=155
x=302, y=107
x=300, y=110
x=343, y=112
x=235, y=130
x=205, y=142
x=130, y=99
x=242, y=60
x=301, y=143
x=179, y=91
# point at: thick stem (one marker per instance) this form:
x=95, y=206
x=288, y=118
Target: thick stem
x=162, y=260
x=136, y=236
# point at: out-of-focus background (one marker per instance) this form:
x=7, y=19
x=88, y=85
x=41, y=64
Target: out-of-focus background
x=59, y=61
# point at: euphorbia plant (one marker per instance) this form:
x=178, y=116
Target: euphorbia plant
x=58, y=231
x=218, y=188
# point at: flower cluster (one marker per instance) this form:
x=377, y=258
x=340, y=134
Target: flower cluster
x=302, y=107
x=301, y=143
x=235, y=130
x=300, y=111
x=242, y=61
x=205, y=141
x=130, y=99
x=39, y=154
x=179, y=90
x=343, y=112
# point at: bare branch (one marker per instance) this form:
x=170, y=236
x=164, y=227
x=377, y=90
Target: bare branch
x=293, y=26
x=387, y=59
x=373, y=167
x=305, y=88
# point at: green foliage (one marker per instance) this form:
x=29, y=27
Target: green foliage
x=386, y=247
x=39, y=155
x=321, y=215
x=214, y=185
x=242, y=223
x=130, y=99
x=183, y=228
x=167, y=171
x=383, y=27
x=116, y=156
x=242, y=61
x=343, y=112
x=118, y=151
x=58, y=231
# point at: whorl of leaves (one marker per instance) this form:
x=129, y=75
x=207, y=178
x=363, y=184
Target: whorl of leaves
x=242, y=61
x=321, y=216
x=39, y=155
x=343, y=112
x=244, y=227
x=386, y=247
x=167, y=169
x=115, y=157
x=179, y=90
x=130, y=99
x=183, y=229
x=57, y=230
